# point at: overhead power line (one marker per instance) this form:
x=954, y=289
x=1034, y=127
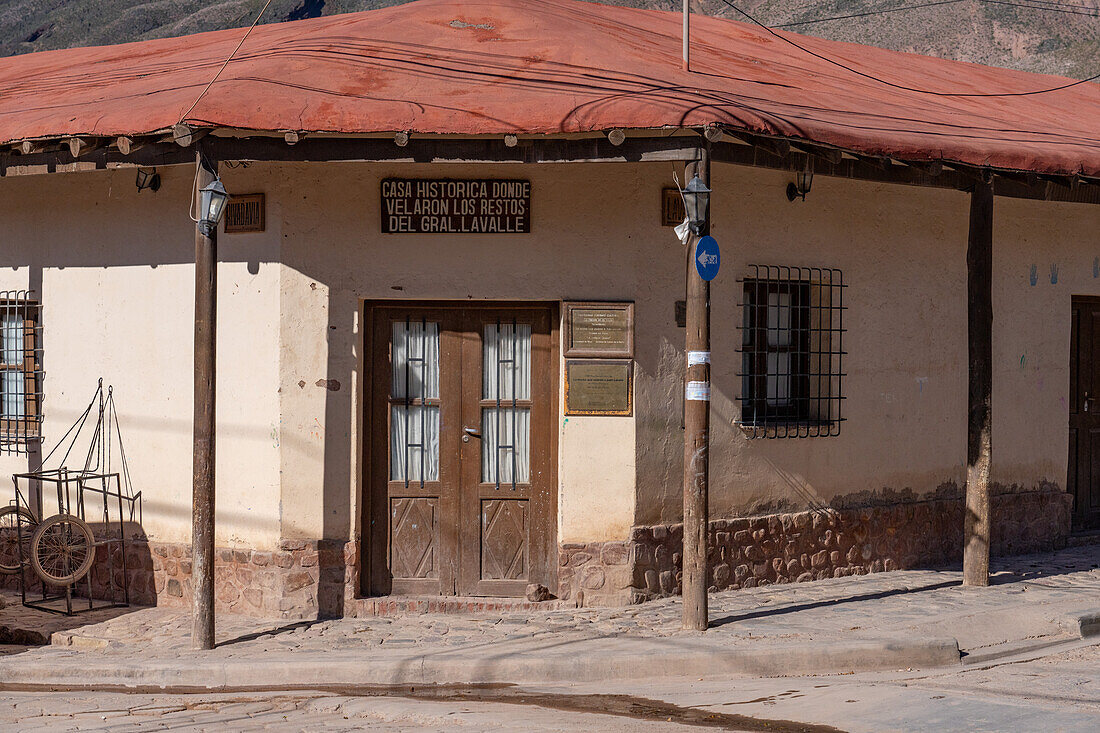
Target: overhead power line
x=903, y=87
x=1049, y=8
x=1044, y=6
x=229, y=58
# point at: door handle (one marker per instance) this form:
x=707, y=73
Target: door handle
x=468, y=432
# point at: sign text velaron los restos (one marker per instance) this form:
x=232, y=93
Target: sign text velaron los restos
x=422, y=206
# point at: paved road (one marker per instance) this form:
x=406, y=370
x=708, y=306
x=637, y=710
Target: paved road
x=1056, y=692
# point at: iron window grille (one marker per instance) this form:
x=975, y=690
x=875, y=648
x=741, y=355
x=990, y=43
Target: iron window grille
x=20, y=371
x=792, y=337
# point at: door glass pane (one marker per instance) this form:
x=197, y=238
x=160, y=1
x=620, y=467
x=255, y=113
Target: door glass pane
x=506, y=379
x=414, y=443
x=415, y=360
x=414, y=427
x=506, y=370
x=505, y=445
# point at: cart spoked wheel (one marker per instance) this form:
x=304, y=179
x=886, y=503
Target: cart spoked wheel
x=10, y=531
x=62, y=549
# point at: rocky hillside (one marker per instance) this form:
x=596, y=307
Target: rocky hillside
x=1053, y=36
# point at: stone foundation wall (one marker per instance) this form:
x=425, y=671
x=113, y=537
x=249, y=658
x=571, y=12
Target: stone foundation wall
x=305, y=579
x=302, y=579
x=811, y=545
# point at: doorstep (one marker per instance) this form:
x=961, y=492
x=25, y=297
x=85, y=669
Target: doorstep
x=1083, y=537
x=403, y=605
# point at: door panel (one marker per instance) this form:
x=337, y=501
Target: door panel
x=507, y=489
x=463, y=415
x=1084, y=418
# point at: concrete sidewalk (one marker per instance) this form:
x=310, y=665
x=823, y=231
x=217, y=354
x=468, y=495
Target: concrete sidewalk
x=885, y=621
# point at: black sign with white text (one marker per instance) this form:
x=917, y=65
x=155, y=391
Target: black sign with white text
x=432, y=206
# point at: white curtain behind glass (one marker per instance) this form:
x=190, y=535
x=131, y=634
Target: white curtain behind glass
x=414, y=429
x=779, y=335
x=506, y=431
x=13, y=402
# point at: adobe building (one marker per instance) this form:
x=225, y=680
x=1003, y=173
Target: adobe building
x=450, y=354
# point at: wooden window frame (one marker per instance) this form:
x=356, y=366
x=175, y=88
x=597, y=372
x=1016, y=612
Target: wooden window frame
x=797, y=408
x=29, y=426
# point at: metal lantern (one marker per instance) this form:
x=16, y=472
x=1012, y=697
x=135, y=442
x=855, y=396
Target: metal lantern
x=696, y=200
x=212, y=200
x=801, y=187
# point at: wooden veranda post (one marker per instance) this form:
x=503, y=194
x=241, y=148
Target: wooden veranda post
x=202, y=497
x=696, y=423
x=979, y=442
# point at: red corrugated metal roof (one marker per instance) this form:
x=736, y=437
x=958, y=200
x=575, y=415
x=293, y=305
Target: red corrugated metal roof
x=550, y=66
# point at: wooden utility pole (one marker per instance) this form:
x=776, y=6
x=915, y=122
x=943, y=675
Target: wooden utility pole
x=696, y=422
x=202, y=495
x=979, y=440
x=687, y=36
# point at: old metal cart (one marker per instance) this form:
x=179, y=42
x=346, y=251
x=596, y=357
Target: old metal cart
x=93, y=505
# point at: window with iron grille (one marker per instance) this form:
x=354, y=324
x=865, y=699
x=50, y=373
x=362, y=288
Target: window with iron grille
x=20, y=371
x=791, y=352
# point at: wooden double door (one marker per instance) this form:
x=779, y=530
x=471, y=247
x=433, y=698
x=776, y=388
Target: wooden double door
x=1084, y=413
x=462, y=446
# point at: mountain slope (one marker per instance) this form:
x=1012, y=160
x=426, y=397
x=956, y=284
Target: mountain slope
x=1050, y=36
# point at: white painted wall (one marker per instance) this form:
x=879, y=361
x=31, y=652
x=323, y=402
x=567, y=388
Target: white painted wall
x=116, y=273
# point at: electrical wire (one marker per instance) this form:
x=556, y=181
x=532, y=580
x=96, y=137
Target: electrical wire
x=869, y=12
x=1045, y=6
x=872, y=77
x=227, y=60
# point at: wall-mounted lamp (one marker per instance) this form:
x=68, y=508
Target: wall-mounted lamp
x=803, y=180
x=148, y=180
x=401, y=138
x=696, y=200
x=212, y=200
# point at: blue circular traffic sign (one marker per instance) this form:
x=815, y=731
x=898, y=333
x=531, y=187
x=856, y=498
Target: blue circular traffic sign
x=707, y=258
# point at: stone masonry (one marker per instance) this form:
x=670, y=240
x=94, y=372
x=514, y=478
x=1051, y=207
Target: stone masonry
x=305, y=579
x=811, y=545
x=302, y=579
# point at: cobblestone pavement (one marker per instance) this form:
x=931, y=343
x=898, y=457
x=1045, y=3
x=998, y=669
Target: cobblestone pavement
x=1029, y=594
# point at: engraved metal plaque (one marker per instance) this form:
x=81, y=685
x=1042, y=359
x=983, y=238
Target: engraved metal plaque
x=599, y=329
x=598, y=387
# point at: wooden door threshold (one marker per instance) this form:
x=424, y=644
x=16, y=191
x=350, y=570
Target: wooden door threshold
x=1082, y=537
x=406, y=605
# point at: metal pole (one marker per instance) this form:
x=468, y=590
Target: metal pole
x=687, y=33
x=696, y=424
x=979, y=443
x=202, y=507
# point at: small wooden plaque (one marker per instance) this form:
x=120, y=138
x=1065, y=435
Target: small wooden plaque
x=601, y=330
x=672, y=207
x=599, y=387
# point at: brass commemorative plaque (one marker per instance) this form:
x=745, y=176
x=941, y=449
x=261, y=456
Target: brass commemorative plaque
x=599, y=330
x=598, y=387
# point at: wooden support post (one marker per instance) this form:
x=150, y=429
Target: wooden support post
x=979, y=442
x=696, y=424
x=202, y=507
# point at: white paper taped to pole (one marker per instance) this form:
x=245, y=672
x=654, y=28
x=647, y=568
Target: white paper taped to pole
x=698, y=357
x=697, y=391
